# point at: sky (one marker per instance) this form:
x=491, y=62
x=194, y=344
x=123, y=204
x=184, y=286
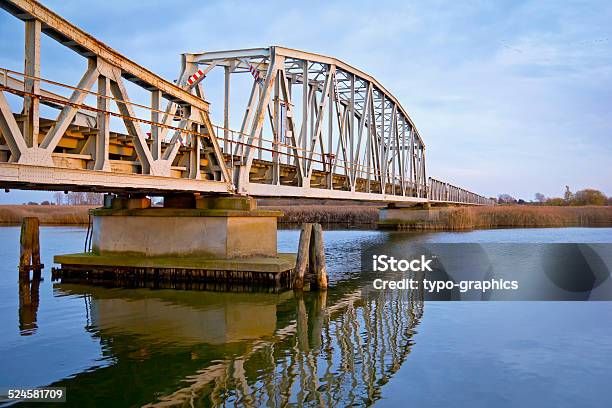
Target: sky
x=509, y=97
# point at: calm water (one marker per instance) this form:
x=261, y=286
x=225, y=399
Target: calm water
x=135, y=347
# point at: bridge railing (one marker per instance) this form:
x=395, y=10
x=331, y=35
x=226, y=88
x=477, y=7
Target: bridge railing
x=440, y=191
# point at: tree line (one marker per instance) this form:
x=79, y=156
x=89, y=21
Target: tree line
x=587, y=196
x=72, y=198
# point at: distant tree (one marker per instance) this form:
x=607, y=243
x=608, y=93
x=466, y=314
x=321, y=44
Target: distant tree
x=567, y=195
x=45, y=202
x=80, y=198
x=58, y=197
x=555, y=201
x=589, y=196
x=32, y=203
x=540, y=198
x=94, y=198
x=506, y=199
x=520, y=201
x=72, y=198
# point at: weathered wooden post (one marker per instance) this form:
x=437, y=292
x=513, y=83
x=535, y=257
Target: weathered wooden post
x=319, y=261
x=311, y=257
x=29, y=257
x=302, y=256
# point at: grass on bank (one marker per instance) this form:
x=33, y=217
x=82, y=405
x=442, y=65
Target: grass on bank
x=461, y=218
x=326, y=214
x=47, y=214
x=520, y=216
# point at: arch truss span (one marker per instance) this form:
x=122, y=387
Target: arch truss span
x=312, y=122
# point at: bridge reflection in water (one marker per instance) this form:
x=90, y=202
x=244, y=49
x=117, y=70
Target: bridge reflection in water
x=184, y=348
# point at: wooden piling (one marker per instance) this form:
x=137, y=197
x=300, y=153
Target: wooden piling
x=29, y=256
x=311, y=257
x=302, y=256
x=317, y=261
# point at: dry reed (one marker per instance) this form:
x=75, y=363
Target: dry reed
x=326, y=214
x=47, y=214
x=526, y=217
x=460, y=218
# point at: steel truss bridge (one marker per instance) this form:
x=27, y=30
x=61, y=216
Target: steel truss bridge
x=313, y=126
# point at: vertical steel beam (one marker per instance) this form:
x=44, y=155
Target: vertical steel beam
x=330, y=129
x=156, y=96
x=194, y=153
x=423, y=174
x=412, y=162
x=403, y=158
x=370, y=134
x=277, y=133
x=304, y=130
x=288, y=82
x=382, y=167
x=260, y=135
x=351, y=121
x=226, y=110
x=103, y=119
x=31, y=107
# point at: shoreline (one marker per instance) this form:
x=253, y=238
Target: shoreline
x=364, y=216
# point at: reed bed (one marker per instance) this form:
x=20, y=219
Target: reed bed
x=47, y=214
x=326, y=214
x=459, y=218
x=527, y=217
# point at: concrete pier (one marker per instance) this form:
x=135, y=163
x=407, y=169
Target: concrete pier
x=413, y=217
x=208, y=239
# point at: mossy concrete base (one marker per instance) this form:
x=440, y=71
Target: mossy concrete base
x=415, y=218
x=269, y=271
x=218, y=239
x=196, y=233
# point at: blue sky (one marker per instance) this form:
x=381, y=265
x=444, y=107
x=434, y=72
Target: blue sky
x=510, y=97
